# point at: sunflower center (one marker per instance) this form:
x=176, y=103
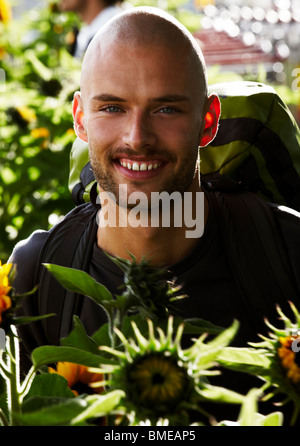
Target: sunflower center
x=83, y=388
x=157, y=381
x=157, y=378
x=290, y=357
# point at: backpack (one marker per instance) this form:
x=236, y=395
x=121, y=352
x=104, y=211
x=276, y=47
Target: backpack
x=257, y=145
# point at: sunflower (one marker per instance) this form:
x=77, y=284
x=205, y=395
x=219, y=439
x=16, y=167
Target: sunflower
x=276, y=360
x=290, y=359
x=5, y=301
x=40, y=132
x=27, y=113
x=160, y=379
x=150, y=291
x=22, y=115
x=5, y=11
x=80, y=378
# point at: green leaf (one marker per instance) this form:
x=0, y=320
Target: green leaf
x=99, y=406
x=26, y=320
x=102, y=336
x=59, y=414
x=209, y=352
x=248, y=411
x=198, y=326
x=36, y=403
x=142, y=324
x=78, y=338
x=248, y=360
x=220, y=394
x=50, y=385
x=80, y=282
x=51, y=354
x=249, y=415
x=273, y=419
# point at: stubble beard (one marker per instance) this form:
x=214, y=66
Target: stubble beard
x=178, y=183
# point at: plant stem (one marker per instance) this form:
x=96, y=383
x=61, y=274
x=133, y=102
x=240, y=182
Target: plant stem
x=10, y=370
x=27, y=382
x=13, y=381
x=113, y=319
x=3, y=418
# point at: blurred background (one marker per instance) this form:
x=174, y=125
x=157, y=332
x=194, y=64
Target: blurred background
x=257, y=40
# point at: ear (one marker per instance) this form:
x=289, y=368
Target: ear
x=78, y=117
x=212, y=110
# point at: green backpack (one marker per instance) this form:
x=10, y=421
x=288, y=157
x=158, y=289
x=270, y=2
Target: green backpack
x=257, y=145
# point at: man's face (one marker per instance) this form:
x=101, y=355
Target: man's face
x=143, y=118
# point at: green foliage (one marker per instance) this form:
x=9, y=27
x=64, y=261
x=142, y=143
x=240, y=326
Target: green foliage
x=64, y=411
x=136, y=362
x=35, y=123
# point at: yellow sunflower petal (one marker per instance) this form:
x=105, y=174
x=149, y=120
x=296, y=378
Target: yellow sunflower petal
x=5, y=11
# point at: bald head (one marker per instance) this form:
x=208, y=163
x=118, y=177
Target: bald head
x=144, y=100
x=146, y=27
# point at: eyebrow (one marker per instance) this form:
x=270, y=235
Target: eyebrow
x=106, y=97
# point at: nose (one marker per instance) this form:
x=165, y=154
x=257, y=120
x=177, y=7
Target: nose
x=139, y=132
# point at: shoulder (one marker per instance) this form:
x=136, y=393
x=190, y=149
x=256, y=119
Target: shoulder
x=26, y=253
x=24, y=257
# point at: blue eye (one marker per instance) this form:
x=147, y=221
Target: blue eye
x=111, y=109
x=167, y=110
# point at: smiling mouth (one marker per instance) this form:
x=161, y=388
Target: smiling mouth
x=139, y=166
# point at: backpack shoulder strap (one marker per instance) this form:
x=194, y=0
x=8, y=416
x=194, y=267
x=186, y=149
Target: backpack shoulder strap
x=86, y=177
x=69, y=244
x=255, y=250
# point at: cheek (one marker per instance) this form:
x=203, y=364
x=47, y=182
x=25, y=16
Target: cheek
x=102, y=134
x=185, y=141
x=185, y=130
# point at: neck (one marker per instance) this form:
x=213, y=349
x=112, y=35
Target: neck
x=162, y=243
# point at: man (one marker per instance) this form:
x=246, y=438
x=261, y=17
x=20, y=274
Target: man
x=143, y=108
x=94, y=14
x=127, y=114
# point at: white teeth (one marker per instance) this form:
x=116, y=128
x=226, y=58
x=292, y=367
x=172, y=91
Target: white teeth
x=137, y=167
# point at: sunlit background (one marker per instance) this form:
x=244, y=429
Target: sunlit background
x=256, y=40
x=245, y=34
x=244, y=37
